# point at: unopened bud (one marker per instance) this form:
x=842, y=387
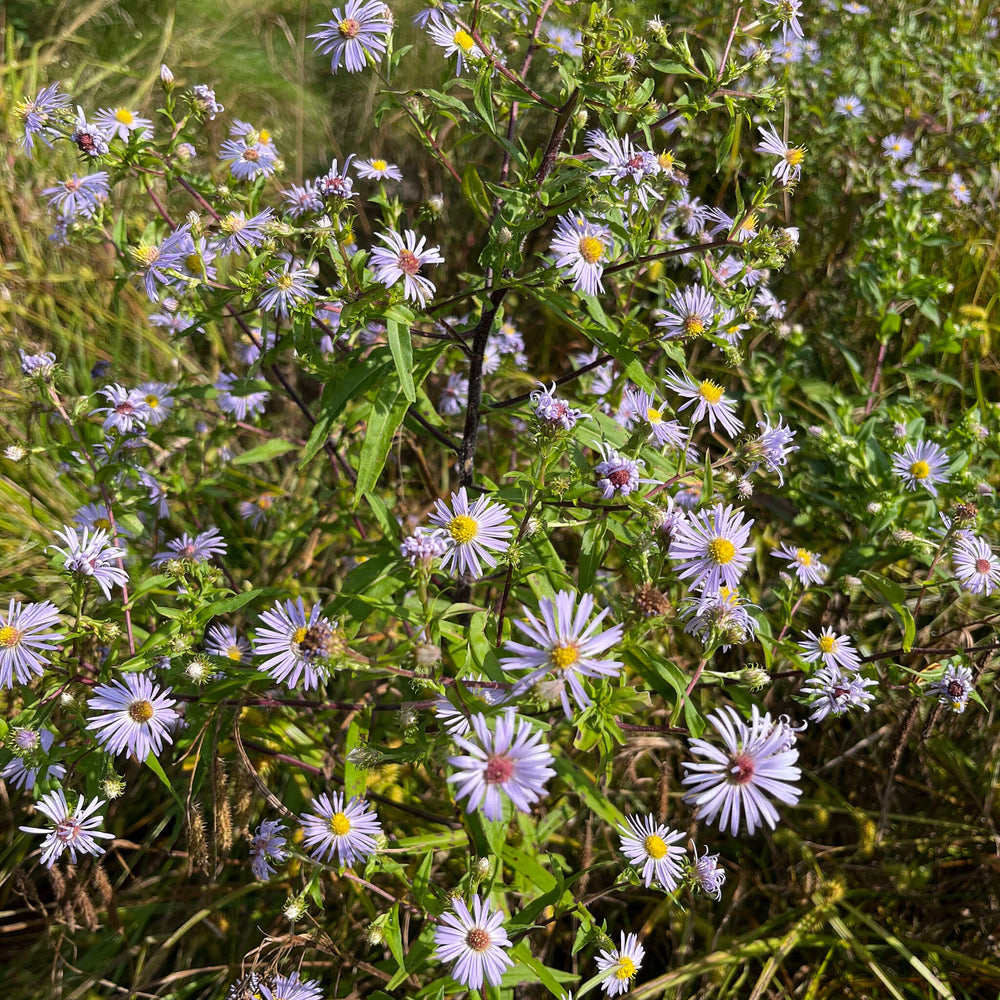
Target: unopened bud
x=427, y=654
x=755, y=678
x=166, y=77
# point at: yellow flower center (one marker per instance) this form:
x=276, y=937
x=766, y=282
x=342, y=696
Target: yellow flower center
x=10, y=636
x=140, y=711
x=379, y=165
x=920, y=470
x=234, y=653
x=463, y=528
x=463, y=40
x=625, y=969
x=666, y=161
x=194, y=263
x=591, y=249
x=564, y=656
x=284, y=282
x=349, y=28
x=653, y=416
x=803, y=557
x=124, y=116
x=232, y=224
x=152, y=402
x=102, y=523
x=710, y=392
x=827, y=644
x=721, y=551
x=750, y=222
x=340, y=824
x=299, y=634
x=263, y=136
x=693, y=326
x=144, y=255
x=794, y=157
x=655, y=847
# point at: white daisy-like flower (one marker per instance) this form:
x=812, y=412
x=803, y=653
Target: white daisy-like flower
x=378, y=169
x=708, y=399
x=808, y=566
x=648, y=846
x=834, y=650
x=621, y=965
x=711, y=547
x=296, y=648
x=789, y=166
x=562, y=641
x=976, y=567
x=346, y=830
x=923, y=464
x=581, y=248
x=75, y=829
x=474, y=532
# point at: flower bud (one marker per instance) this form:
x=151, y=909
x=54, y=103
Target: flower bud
x=166, y=77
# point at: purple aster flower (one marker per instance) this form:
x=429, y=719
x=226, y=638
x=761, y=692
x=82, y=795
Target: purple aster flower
x=202, y=100
x=454, y=396
x=848, y=106
x=362, y=30
x=788, y=169
x=403, y=259
x=620, y=965
x=771, y=447
x=832, y=691
x=159, y=403
x=620, y=160
x=648, y=847
x=475, y=532
x=511, y=762
x=238, y=233
x=689, y=313
x=24, y=771
x=835, y=650
x=200, y=548
x=133, y=715
x=710, y=400
x=300, y=200
x=808, y=566
x=242, y=402
x=127, y=413
x=708, y=875
x=336, y=183
x=225, y=641
x=89, y=138
x=562, y=641
x=37, y=115
x=730, y=329
x=286, y=289
x=645, y=408
x=580, y=247
x=617, y=473
x=247, y=160
x=953, y=687
x=267, y=845
x=75, y=830
x=959, y=190
x=719, y=616
x=551, y=411
x=424, y=546
x=88, y=554
x=296, y=648
x=37, y=365
x=786, y=14
x=758, y=760
x=712, y=548
x=24, y=636
x=81, y=196
x=475, y=941
x=379, y=170
x=924, y=464
x=976, y=567
x=290, y=988
x=345, y=830
x=565, y=40
x=122, y=122
x=156, y=263
x=454, y=40
x=256, y=511
x=897, y=147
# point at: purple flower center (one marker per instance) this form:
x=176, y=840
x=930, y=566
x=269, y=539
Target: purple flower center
x=478, y=939
x=409, y=262
x=68, y=829
x=619, y=477
x=983, y=566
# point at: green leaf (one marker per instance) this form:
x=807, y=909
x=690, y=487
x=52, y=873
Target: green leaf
x=474, y=192
x=154, y=765
x=482, y=95
x=398, y=335
x=881, y=586
x=592, y=552
x=264, y=452
x=387, y=414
